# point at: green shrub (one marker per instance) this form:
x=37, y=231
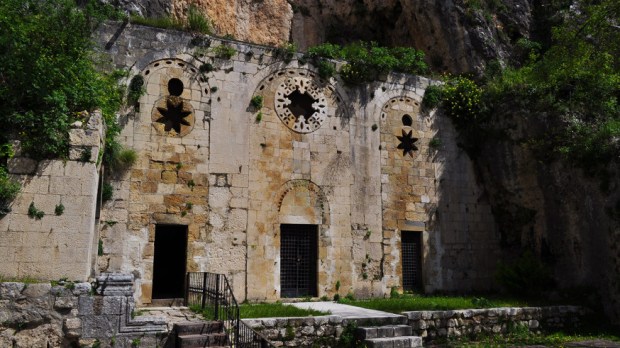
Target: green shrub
x=394, y=292
x=8, y=191
x=118, y=158
x=224, y=51
x=432, y=97
x=206, y=68
x=526, y=276
x=197, y=22
x=286, y=52
x=107, y=191
x=367, y=60
x=461, y=101
x=326, y=50
x=136, y=89
x=59, y=209
x=166, y=22
x=87, y=154
x=35, y=213
x=326, y=69
x=257, y=101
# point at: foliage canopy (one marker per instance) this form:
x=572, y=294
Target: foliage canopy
x=571, y=89
x=48, y=74
x=367, y=60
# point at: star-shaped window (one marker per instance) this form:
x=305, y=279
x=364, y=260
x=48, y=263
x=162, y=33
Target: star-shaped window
x=407, y=143
x=301, y=104
x=174, y=114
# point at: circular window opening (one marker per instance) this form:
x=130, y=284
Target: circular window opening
x=301, y=104
x=175, y=87
x=407, y=121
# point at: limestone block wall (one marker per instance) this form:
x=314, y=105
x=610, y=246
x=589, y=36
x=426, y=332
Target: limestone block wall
x=322, y=331
x=313, y=152
x=466, y=246
x=50, y=232
x=470, y=322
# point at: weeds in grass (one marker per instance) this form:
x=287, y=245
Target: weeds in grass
x=263, y=310
x=408, y=302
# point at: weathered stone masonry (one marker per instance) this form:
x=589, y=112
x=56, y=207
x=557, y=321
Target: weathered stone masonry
x=364, y=170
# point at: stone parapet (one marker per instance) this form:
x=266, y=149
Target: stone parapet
x=322, y=331
x=457, y=323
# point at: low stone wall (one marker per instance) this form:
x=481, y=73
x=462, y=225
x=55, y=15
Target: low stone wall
x=323, y=331
x=300, y=332
x=457, y=323
x=74, y=314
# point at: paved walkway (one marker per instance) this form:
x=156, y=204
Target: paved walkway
x=172, y=314
x=345, y=311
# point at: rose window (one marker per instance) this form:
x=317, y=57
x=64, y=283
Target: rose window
x=301, y=105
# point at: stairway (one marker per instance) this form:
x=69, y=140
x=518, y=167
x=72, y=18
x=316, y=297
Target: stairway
x=201, y=334
x=388, y=336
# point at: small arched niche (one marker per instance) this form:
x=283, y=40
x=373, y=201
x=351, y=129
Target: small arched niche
x=302, y=202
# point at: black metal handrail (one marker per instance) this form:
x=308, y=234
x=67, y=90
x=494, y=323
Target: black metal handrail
x=212, y=293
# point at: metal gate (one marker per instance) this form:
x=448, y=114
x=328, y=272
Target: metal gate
x=412, y=260
x=298, y=260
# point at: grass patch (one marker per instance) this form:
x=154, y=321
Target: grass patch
x=405, y=303
x=519, y=338
x=25, y=280
x=159, y=22
x=264, y=310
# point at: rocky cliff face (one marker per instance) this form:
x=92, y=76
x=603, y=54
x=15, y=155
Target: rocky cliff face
x=571, y=220
x=457, y=36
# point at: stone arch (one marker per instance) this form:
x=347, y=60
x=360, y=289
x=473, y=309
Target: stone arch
x=174, y=83
x=402, y=125
x=302, y=202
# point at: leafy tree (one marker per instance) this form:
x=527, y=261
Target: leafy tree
x=48, y=74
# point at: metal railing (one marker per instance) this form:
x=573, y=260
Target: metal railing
x=212, y=293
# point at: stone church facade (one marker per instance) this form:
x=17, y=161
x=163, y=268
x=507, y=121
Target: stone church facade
x=290, y=184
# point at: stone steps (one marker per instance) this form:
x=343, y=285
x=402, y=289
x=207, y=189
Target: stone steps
x=388, y=336
x=200, y=334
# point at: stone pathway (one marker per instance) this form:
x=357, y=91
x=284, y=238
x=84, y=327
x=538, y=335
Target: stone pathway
x=172, y=315
x=345, y=311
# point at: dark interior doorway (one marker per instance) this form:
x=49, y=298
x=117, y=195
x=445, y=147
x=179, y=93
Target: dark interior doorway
x=412, y=260
x=298, y=260
x=169, y=262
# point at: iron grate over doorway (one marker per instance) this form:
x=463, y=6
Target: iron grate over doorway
x=298, y=260
x=411, y=244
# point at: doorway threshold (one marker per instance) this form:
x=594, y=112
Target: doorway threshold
x=166, y=302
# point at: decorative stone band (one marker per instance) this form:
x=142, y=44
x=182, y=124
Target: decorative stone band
x=115, y=284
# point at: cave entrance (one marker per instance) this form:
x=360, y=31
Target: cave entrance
x=411, y=244
x=169, y=261
x=298, y=260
